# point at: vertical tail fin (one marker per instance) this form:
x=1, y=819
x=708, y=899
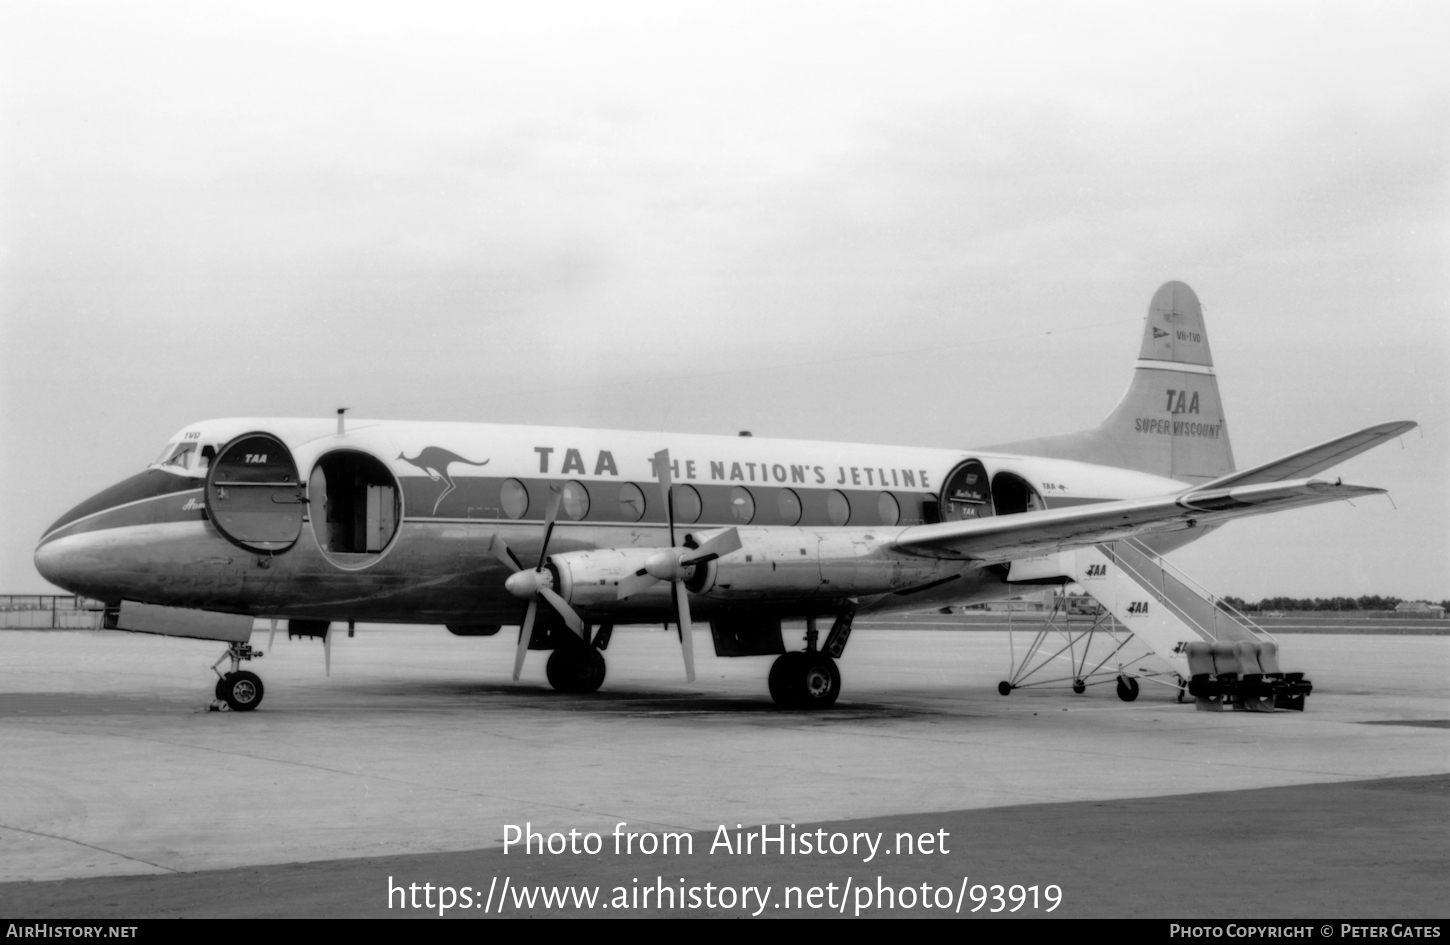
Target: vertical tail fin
x=1170, y=422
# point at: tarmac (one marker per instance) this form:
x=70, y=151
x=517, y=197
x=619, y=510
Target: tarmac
x=121, y=795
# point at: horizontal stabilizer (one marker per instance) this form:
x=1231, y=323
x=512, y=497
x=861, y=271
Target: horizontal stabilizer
x=1003, y=538
x=1315, y=459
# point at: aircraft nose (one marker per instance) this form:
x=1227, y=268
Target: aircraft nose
x=84, y=551
x=48, y=563
x=64, y=566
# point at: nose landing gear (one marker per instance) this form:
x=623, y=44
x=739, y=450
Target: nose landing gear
x=238, y=690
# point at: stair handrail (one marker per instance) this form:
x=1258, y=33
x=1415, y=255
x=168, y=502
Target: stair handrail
x=1238, y=616
x=1162, y=597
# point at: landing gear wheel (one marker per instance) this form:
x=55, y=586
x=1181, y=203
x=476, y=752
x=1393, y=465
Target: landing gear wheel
x=241, y=690
x=820, y=683
x=1079, y=687
x=805, y=681
x=782, y=671
x=572, y=670
x=1127, y=688
x=1004, y=688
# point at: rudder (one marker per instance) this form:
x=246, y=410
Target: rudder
x=1171, y=421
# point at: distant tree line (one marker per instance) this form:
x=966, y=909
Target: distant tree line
x=1367, y=602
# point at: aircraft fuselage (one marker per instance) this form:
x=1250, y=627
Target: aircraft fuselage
x=393, y=521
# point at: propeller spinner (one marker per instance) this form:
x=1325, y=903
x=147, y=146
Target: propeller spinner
x=531, y=584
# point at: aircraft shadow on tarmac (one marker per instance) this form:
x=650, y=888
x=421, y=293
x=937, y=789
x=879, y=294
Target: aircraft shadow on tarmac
x=622, y=701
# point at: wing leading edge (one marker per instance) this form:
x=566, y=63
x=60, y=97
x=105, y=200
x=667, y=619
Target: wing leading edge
x=1007, y=537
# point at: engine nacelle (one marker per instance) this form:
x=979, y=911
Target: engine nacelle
x=784, y=563
x=772, y=564
x=591, y=578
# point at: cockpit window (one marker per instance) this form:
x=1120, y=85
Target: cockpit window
x=181, y=457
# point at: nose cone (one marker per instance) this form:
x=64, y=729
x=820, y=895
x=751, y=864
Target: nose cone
x=85, y=551
x=50, y=562
x=81, y=564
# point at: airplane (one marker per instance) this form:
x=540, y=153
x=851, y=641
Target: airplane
x=570, y=532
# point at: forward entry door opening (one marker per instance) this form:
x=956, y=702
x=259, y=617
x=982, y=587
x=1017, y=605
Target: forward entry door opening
x=355, y=505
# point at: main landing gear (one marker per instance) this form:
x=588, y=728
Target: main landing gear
x=239, y=690
x=579, y=666
x=810, y=679
x=576, y=669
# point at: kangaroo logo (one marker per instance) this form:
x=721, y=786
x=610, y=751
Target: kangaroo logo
x=434, y=460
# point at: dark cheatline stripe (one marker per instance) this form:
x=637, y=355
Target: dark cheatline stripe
x=144, y=485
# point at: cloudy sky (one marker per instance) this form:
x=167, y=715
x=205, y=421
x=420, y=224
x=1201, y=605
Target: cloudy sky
x=934, y=224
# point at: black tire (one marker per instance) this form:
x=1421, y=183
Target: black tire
x=221, y=686
x=782, y=680
x=1004, y=688
x=243, y=691
x=1079, y=687
x=575, y=670
x=1127, y=688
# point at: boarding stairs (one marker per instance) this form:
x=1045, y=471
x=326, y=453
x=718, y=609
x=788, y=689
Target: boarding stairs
x=1154, y=607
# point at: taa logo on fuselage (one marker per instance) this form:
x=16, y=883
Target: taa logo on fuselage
x=1097, y=570
x=256, y=457
x=1138, y=608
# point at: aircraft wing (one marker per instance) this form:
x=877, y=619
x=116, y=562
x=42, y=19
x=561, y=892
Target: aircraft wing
x=1006, y=537
x=1315, y=459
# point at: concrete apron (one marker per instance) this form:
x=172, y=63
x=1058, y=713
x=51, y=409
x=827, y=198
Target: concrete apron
x=419, y=742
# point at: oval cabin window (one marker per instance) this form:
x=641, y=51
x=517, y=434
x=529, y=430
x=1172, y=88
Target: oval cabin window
x=888, y=508
x=514, y=498
x=687, y=505
x=576, y=500
x=742, y=505
x=631, y=502
x=789, y=506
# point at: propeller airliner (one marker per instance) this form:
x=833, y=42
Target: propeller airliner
x=568, y=533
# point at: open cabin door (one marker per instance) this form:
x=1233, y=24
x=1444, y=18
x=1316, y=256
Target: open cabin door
x=967, y=493
x=253, y=495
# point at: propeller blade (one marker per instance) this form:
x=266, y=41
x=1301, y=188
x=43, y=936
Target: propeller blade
x=504, y=553
x=662, y=470
x=327, y=651
x=717, y=547
x=639, y=581
x=687, y=634
x=526, y=633
x=565, y=611
x=555, y=497
x=272, y=636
